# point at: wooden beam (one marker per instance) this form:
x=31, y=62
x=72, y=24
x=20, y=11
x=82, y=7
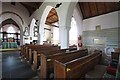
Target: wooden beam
x=31, y=4
x=47, y=29
x=52, y=25
x=89, y=6
x=51, y=15
x=82, y=10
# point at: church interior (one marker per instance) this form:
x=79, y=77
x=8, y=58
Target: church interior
x=59, y=39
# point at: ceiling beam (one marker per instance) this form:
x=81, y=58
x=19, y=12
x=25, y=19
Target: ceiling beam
x=81, y=7
x=31, y=4
x=52, y=25
x=51, y=15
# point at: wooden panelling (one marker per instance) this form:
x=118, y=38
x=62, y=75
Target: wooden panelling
x=86, y=9
x=31, y=6
x=82, y=9
x=101, y=8
x=110, y=6
x=52, y=17
x=91, y=9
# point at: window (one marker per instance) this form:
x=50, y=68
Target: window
x=73, y=32
x=10, y=30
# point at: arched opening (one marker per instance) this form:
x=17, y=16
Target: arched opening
x=50, y=26
x=15, y=19
x=10, y=34
x=33, y=31
x=73, y=32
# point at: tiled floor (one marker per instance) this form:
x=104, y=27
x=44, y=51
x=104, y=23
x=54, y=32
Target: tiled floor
x=14, y=67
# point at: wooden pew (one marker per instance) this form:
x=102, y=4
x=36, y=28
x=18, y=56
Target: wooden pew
x=24, y=49
x=77, y=68
x=37, y=56
x=44, y=49
x=37, y=48
x=117, y=49
x=115, y=55
x=28, y=45
x=47, y=61
x=30, y=53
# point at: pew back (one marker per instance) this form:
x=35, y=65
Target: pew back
x=47, y=61
x=78, y=66
x=37, y=56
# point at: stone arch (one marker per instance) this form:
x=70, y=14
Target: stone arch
x=65, y=23
x=32, y=24
x=65, y=12
x=42, y=22
x=4, y=17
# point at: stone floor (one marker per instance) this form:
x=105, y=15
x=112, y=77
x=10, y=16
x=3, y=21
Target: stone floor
x=14, y=67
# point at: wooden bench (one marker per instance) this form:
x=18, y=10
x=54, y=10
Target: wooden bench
x=115, y=55
x=24, y=48
x=117, y=49
x=37, y=48
x=76, y=68
x=47, y=61
x=44, y=49
x=31, y=52
x=37, y=56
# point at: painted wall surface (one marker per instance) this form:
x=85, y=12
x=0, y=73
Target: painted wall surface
x=107, y=36
x=106, y=21
x=78, y=17
x=108, y=32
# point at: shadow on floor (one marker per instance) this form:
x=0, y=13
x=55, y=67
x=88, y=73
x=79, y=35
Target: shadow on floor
x=14, y=67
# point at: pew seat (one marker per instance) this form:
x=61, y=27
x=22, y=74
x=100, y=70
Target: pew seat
x=97, y=72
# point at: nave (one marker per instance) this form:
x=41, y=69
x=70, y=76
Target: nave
x=50, y=62
x=59, y=40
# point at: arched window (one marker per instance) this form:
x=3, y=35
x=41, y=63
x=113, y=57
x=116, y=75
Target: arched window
x=73, y=32
x=10, y=30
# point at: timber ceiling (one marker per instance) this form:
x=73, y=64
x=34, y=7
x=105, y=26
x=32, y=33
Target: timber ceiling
x=31, y=6
x=88, y=9
x=52, y=17
x=92, y=9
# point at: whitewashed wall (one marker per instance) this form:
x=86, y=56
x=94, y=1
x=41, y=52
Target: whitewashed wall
x=106, y=21
x=78, y=17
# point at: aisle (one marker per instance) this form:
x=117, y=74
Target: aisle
x=13, y=66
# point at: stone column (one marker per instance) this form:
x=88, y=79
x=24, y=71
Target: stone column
x=64, y=36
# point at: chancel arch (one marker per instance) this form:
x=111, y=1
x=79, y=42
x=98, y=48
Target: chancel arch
x=33, y=30
x=15, y=20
